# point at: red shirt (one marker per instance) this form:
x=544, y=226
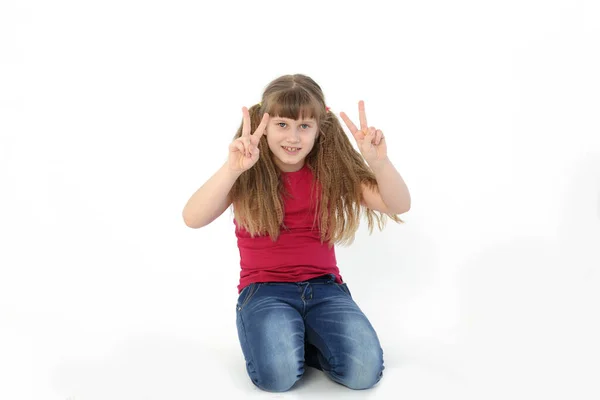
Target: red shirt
x=297, y=254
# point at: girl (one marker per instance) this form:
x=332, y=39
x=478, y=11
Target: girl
x=298, y=186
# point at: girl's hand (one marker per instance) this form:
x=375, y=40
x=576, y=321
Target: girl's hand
x=243, y=151
x=370, y=141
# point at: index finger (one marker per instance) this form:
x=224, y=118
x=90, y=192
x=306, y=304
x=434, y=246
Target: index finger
x=349, y=123
x=246, y=122
x=260, y=130
x=362, y=116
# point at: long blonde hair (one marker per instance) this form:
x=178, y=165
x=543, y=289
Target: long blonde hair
x=339, y=169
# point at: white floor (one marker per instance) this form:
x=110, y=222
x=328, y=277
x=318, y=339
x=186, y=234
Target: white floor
x=519, y=321
x=152, y=367
x=172, y=368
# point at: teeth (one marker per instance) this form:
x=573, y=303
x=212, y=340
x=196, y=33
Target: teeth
x=290, y=148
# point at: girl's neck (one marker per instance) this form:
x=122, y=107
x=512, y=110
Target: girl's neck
x=288, y=169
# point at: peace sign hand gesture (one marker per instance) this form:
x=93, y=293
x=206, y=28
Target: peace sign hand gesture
x=243, y=151
x=370, y=141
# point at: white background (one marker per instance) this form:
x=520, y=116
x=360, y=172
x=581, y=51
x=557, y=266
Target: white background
x=113, y=113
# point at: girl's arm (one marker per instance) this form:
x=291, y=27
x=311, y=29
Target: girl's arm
x=393, y=196
x=211, y=200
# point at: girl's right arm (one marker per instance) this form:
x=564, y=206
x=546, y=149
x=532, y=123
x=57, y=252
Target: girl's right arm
x=212, y=199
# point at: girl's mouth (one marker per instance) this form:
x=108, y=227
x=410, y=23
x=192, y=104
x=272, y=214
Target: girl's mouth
x=291, y=150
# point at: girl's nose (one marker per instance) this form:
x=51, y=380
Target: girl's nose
x=294, y=137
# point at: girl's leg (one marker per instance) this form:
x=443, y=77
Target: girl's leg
x=311, y=356
x=348, y=348
x=271, y=333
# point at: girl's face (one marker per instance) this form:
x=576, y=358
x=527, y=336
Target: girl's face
x=290, y=141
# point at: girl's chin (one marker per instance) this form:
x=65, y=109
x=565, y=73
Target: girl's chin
x=289, y=164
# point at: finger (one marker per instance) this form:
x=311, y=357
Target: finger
x=238, y=146
x=246, y=122
x=373, y=131
x=348, y=123
x=362, y=115
x=379, y=136
x=372, y=135
x=247, y=145
x=367, y=143
x=260, y=130
x=242, y=144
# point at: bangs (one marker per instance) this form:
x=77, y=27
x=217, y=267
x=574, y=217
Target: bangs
x=293, y=104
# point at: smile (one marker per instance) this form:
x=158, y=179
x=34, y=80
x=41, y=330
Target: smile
x=291, y=149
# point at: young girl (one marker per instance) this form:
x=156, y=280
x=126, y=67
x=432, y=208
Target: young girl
x=298, y=186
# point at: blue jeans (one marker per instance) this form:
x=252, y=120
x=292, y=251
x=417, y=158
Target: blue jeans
x=284, y=326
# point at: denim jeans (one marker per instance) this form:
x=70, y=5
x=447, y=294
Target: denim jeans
x=284, y=326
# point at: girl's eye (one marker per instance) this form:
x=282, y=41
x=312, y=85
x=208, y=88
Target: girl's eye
x=283, y=123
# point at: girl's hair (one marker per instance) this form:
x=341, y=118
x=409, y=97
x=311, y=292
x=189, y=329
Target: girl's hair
x=257, y=195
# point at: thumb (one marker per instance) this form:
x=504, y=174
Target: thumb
x=370, y=137
x=372, y=131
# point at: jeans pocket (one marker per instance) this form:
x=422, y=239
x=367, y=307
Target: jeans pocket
x=344, y=288
x=246, y=294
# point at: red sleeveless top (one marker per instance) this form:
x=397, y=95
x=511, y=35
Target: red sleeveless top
x=297, y=254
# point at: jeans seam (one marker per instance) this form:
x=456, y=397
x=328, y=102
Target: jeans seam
x=247, y=345
x=252, y=291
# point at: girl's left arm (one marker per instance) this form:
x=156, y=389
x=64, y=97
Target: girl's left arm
x=393, y=196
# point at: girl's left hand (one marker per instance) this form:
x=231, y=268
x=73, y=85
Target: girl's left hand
x=370, y=141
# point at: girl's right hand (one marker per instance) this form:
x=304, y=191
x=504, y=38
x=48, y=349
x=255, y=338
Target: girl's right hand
x=243, y=151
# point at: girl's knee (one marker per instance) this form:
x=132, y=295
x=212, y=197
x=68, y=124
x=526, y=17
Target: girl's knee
x=363, y=380
x=359, y=371
x=276, y=375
